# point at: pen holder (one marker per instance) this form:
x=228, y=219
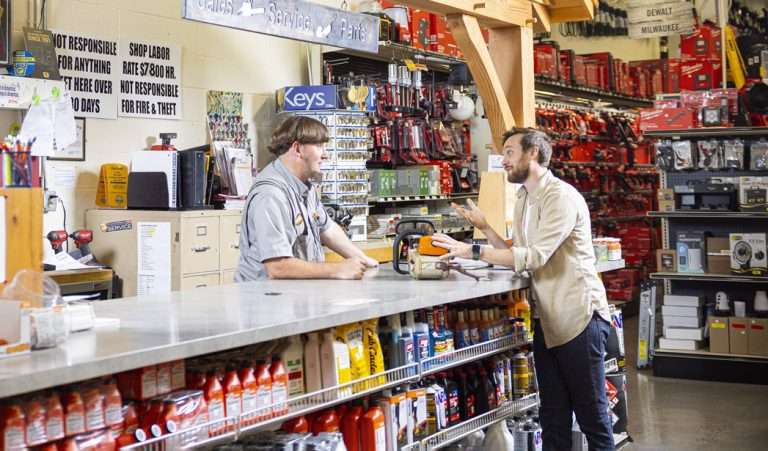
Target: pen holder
x=20, y=169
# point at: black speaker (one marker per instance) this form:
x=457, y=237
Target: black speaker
x=192, y=178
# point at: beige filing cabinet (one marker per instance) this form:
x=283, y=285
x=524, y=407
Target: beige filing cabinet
x=205, y=244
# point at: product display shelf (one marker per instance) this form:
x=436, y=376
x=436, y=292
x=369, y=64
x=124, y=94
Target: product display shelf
x=610, y=265
x=400, y=199
x=712, y=132
x=455, y=433
x=707, y=277
x=178, y=325
x=706, y=353
x=712, y=214
x=546, y=87
x=329, y=397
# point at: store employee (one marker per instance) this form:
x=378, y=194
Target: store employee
x=284, y=225
x=553, y=243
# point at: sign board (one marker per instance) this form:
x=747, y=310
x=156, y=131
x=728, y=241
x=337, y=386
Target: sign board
x=654, y=18
x=150, y=80
x=89, y=68
x=306, y=98
x=292, y=19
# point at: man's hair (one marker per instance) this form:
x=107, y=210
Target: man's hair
x=301, y=129
x=532, y=138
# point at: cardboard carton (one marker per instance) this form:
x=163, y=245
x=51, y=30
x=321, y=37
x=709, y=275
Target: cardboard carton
x=719, y=335
x=758, y=336
x=738, y=335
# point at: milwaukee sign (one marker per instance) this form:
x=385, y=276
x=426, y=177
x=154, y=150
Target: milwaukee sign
x=653, y=18
x=293, y=19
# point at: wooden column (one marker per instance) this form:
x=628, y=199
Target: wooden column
x=466, y=31
x=511, y=48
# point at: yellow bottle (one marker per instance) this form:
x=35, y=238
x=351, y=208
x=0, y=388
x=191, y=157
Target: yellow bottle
x=523, y=310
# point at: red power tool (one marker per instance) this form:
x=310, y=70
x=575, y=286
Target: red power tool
x=81, y=238
x=57, y=239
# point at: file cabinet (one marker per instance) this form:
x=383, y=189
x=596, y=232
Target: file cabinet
x=202, y=247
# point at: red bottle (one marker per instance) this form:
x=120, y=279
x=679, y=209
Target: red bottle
x=373, y=436
x=250, y=392
x=233, y=395
x=279, y=386
x=298, y=425
x=350, y=427
x=326, y=422
x=214, y=397
x=264, y=391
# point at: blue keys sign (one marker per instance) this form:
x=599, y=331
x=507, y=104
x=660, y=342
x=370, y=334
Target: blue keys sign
x=306, y=98
x=292, y=19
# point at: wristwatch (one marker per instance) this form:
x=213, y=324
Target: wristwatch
x=475, y=252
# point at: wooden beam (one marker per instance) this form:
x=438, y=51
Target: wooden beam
x=512, y=49
x=585, y=11
x=490, y=13
x=466, y=31
x=543, y=24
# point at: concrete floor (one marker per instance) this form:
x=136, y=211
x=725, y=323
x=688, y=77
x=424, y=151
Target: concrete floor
x=681, y=415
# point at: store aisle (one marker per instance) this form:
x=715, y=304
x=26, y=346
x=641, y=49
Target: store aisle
x=681, y=415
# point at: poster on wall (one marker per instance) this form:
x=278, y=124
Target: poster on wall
x=89, y=67
x=150, y=80
x=655, y=18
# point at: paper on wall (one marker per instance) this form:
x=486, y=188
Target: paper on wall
x=52, y=123
x=154, y=257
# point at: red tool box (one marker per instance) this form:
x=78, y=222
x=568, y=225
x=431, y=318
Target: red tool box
x=604, y=61
x=700, y=74
x=420, y=29
x=667, y=119
x=704, y=43
x=546, y=60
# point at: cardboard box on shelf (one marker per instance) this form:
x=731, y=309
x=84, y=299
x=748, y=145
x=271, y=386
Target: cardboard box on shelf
x=704, y=42
x=682, y=321
x=701, y=74
x=667, y=119
x=748, y=253
x=682, y=301
x=719, y=335
x=666, y=260
x=684, y=333
x=718, y=255
x=753, y=193
x=680, y=345
x=738, y=335
x=758, y=337
x=673, y=310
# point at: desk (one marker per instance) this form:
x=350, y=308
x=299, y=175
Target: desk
x=84, y=281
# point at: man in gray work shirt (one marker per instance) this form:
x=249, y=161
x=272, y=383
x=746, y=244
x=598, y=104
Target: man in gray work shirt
x=284, y=225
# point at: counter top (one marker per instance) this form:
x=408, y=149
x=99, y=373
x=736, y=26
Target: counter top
x=165, y=327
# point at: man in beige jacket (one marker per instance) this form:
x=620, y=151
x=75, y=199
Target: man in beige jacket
x=553, y=244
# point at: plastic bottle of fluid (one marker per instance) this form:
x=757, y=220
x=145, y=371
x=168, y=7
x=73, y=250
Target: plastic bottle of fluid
x=422, y=329
x=335, y=365
x=420, y=338
x=461, y=335
x=474, y=329
x=233, y=393
x=523, y=310
x=298, y=425
x=373, y=435
x=328, y=421
x=350, y=427
x=250, y=391
x=520, y=435
x=292, y=355
x=313, y=377
x=279, y=386
x=535, y=442
x=263, y=390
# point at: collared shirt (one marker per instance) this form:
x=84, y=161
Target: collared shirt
x=556, y=250
x=283, y=217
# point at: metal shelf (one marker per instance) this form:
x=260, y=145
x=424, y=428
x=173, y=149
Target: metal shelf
x=563, y=89
x=620, y=218
x=607, y=266
x=708, y=132
x=472, y=353
x=234, y=427
x=732, y=278
x=707, y=354
x=402, y=199
x=466, y=428
x=699, y=214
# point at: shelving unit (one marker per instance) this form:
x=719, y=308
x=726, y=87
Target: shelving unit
x=436, y=197
x=708, y=277
x=610, y=265
x=702, y=364
x=544, y=86
x=330, y=397
x=712, y=132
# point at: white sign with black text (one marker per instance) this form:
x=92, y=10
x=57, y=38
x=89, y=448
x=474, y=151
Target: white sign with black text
x=89, y=68
x=150, y=80
x=654, y=18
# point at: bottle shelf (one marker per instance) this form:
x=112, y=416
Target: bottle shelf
x=455, y=433
x=229, y=429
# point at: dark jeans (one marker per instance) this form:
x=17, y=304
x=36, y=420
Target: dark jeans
x=572, y=379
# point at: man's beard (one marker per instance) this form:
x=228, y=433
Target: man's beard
x=518, y=175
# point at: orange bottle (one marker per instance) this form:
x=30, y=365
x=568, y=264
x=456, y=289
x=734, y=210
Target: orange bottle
x=523, y=311
x=54, y=421
x=341, y=410
x=233, y=394
x=373, y=436
x=74, y=413
x=113, y=404
x=250, y=392
x=151, y=418
x=279, y=386
x=350, y=427
x=34, y=412
x=264, y=390
x=298, y=425
x=328, y=421
x=214, y=397
x=12, y=426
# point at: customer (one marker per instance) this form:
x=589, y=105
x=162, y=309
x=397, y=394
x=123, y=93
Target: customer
x=553, y=243
x=284, y=225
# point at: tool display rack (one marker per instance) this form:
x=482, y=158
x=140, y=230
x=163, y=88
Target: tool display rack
x=701, y=364
x=240, y=425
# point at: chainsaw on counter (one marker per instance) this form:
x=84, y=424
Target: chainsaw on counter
x=413, y=246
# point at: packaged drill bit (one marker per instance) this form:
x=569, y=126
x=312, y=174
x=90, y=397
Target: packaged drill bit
x=733, y=154
x=684, y=155
x=758, y=155
x=709, y=154
x=665, y=155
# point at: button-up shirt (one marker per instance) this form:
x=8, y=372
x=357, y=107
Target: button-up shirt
x=283, y=217
x=556, y=250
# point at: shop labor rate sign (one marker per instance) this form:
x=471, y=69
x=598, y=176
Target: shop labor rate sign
x=293, y=19
x=129, y=78
x=654, y=18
